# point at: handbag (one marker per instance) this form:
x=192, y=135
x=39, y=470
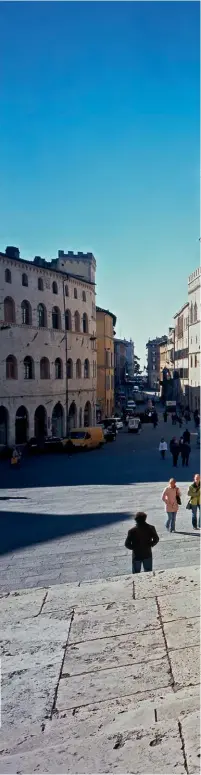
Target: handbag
x=189, y=506
x=178, y=499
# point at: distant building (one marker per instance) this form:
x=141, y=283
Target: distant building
x=181, y=349
x=194, y=283
x=124, y=369
x=105, y=323
x=153, y=360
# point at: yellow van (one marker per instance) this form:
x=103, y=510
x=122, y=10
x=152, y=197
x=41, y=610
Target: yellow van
x=84, y=438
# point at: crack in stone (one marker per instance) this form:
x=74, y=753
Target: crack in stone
x=53, y=710
x=166, y=646
x=183, y=747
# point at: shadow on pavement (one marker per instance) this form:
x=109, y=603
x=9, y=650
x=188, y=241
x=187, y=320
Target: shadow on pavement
x=20, y=530
x=185, y=533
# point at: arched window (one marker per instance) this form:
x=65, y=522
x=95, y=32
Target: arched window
x=44, y=368
x=78, y=369
x=54, y=287
x=8, y=276
x=86, y=369
x=85, y=323
x=9, y=310
x=195, y=312
x=25, y=280
x=87, y=414
x=77, y=321
x=83, y=296
x=42, y=316
x=75, y=293
x=11, y=367
x=40, y=284
x=70, y=368
x=66, y=290
x=58, y=369
x=28, y=367
x=68, y=320
x=26, y=313
x=56, y=318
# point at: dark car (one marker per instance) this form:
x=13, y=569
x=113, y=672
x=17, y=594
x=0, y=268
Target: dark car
x=44, y=446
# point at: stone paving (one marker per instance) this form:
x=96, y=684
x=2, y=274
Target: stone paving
x=102, y=676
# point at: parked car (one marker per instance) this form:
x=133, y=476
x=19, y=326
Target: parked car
x=44, y=446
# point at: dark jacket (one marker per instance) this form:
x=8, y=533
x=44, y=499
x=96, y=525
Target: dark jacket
x=186, y=436
x=140, y=540
x=174, y=447
x=185, y=448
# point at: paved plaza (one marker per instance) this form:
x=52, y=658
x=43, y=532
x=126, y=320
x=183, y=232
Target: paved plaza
x=100, y=669
x=102, y=676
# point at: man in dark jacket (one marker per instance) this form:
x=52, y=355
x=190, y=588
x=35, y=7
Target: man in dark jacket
x=140, y=540
x=185, y=451
x=175, y=450
x=187, y=436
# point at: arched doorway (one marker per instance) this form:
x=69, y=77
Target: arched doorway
x=40, y=422
x=87, y=414
x=72, y=416
x=57, y=420
x=21, y=425
x=3, y=425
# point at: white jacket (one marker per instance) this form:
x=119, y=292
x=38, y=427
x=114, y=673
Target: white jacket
x=163, y=446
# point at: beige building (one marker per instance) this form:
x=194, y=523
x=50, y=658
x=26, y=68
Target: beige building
x=167, y=355
x=181, y=348
x=194, y=338
x=105, y=323
x=48, y=345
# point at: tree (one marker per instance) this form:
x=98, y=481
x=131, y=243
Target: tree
x=137, y=369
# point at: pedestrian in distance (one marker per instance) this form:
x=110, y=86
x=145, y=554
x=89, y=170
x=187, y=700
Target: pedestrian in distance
x=140, y=540
x=186, y=436
x=174, y=450
x=163, y=448
x=187, y=414
x=196, y=418
x=194, y=502
x=174, y=418
x=180, y=420
x=185, y=450
x=172, y=499
x=165, y=416
x=155, y=419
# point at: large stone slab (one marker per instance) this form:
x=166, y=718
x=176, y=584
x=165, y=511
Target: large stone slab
x=28, y=695
x=112, y=652
x=88, y=594
x=114, y=619
x=111, y=683
x=177, y=705
x=22, y=605
x=186, y=666
x=34, y=643
x=182, y=633
x=158, y=750
x=167, y=582
x=191, y=736
x=179, y=606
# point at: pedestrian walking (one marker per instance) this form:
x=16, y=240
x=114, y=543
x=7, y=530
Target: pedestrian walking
x=172, y=499
x=174, y=450
x=163, y=448
x=140, y=540
x=187, y=414
x=196, y=418
x=194, y=502
x=154, y=419
x=186, y=436
x=185, y=450
x=165, y=416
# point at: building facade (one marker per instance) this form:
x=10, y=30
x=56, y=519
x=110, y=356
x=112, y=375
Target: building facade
x=194, y=338
x=181, y=349
x=105, y=322
x=153, y=361
x=48, y=351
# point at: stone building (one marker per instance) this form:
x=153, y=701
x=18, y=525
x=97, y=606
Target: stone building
x=181, y=349
x=153, y=361
x=194, y=338
x=105, y=323
x=48, y=345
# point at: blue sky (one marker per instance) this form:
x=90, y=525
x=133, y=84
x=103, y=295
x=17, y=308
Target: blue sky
x=99, y=138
